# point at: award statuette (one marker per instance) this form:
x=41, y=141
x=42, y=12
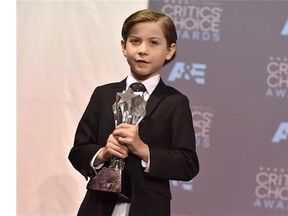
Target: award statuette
x=128, y=108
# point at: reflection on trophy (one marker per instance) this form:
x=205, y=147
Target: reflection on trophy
x=128, y=108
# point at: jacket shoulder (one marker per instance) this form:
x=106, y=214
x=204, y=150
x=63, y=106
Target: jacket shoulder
x=175, y=92
x=108, y=85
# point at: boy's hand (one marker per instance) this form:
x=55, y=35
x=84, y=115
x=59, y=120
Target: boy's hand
x=128, y=134
x=113, y=148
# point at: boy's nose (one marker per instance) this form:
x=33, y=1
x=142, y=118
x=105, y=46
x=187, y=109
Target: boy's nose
x=142, y=49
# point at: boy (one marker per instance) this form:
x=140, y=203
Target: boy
x=161, y=148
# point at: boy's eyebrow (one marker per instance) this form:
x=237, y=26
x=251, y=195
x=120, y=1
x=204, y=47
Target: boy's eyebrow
x=155, y=37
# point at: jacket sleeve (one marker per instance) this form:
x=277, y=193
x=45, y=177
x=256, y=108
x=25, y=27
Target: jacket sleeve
x=85, y=141
x=178, y=160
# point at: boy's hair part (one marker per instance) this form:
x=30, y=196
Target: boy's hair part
x=151, y=15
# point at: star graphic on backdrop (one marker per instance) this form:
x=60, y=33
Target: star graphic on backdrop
x=126, y=96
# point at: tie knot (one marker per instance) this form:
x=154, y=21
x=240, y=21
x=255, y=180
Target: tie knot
x=138, y=87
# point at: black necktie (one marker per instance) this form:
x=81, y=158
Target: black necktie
x=138, y=87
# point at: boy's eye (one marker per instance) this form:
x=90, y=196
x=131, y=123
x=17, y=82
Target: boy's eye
x=134, y=40
x=154, y=42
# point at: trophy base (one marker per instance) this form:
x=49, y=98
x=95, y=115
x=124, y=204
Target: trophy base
x=108, y=179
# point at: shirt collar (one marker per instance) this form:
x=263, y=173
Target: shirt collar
x=150, y=83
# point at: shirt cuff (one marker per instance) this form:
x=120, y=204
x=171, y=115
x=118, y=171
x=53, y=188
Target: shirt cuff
x=93, y=159
x=146, y=165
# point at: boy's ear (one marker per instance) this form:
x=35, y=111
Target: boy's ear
x=170, y=51
x=123, y=45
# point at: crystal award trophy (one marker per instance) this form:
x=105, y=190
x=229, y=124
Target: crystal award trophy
x=128, y=108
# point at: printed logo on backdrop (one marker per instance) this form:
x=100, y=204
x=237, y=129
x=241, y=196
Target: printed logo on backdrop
x=277, y=78
x=271, y=189
x=186, y=186
x=284, y=31
x=189, y=71
x=198, y=21
x=281, y=133
x=202, y=120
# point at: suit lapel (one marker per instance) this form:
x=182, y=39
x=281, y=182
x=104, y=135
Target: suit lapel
x=121, y=86
x=155, y=98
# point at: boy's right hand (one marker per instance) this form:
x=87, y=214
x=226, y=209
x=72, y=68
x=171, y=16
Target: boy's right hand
x=113, y=148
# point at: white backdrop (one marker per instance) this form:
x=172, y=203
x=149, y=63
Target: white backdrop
x=64, y=50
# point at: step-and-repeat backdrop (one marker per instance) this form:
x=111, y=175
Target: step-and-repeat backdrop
x=232, y=63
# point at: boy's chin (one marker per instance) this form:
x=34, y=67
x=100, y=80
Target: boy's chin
x=142, y=76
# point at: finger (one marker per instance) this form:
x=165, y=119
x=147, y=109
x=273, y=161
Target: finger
x=119, y=133
x=117, y=146
x=119, y=153
x=122, y=125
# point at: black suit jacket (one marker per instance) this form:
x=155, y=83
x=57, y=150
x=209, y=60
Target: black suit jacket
x=167, y=129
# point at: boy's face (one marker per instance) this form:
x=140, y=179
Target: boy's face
x=146, y=50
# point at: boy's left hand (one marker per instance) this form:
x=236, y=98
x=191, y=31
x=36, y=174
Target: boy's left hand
x=128, y=135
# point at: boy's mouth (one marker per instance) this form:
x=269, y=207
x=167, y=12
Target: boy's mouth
x=141, y=61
